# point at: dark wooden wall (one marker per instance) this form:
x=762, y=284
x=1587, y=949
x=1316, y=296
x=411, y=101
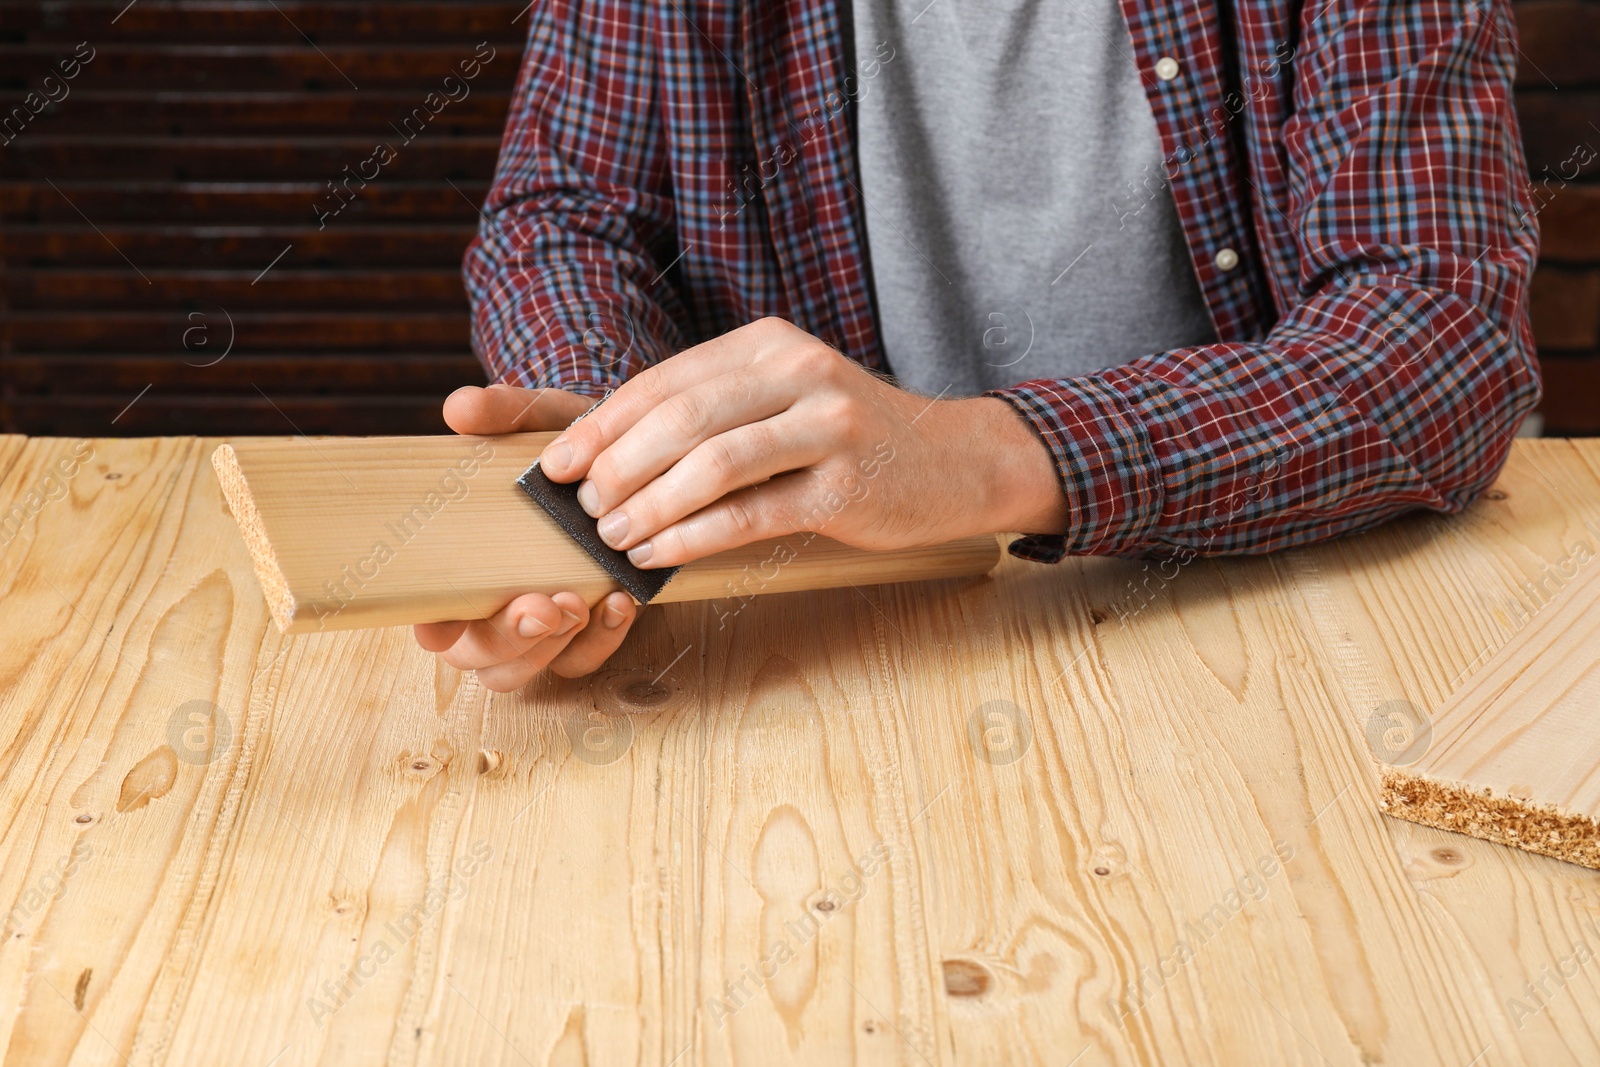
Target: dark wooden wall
x=140, y=214
x=1558, y=103
x=166, y=205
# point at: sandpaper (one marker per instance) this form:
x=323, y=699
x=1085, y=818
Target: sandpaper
x=560, y=499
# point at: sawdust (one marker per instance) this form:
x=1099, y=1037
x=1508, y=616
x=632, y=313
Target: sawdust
x=1480, y=812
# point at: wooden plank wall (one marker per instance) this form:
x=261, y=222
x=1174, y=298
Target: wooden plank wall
x=138, y=213
x=1558, y=104
x=195, y=147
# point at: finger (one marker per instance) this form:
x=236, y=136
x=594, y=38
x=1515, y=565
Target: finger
x=743, y=457
x=516, y=629
x=438, y=636
x=595, y=643
x=508, y=409
x=772, y=509
x=659, y=383
x=673, y=429
x=513, y=674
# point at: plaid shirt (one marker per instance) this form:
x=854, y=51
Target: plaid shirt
x=1348, y=175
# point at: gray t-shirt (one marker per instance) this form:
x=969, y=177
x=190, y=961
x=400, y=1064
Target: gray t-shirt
x=1018, y=219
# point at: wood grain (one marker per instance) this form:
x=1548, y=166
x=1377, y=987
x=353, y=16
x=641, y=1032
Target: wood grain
x=384, y=531
x=1515, y=755
x=1085, y=814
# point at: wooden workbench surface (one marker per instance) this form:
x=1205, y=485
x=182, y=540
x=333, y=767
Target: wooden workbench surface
x=1099, y=813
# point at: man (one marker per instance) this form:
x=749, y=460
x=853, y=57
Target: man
x=1162, y=279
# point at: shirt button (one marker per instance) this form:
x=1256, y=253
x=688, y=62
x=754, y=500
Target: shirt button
x=1227, y=259
x=1166, y=68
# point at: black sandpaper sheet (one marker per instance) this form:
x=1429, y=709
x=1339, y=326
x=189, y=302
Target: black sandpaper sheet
x=560, y=499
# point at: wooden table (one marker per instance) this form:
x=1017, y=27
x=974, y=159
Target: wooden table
x=1086, y=814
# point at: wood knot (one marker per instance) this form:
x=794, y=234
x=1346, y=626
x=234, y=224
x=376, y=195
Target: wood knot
x=965, y=978
x=646, y=694
x=1097, y=616
x=633, y=691
x=1447, y=856
x=113, y=476
x=150, y=779
x=488, y=761
x=83, y=819
x=1108, y=859
x=420, y=764
x=1495, y=494
x=869, y=1027
x=825, y=904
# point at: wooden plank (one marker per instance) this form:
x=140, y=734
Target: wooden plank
x=239, y=247
x=275, y=68
x=212, y=114
x=263, y=21
x=1570, y=385
x=1515, y=755
x=173, y=331
x=1569, y=220
x=431, y=375
x=366, y=532
x=241, y=203
x=1555, y=126
x=1564, y=306
x=1555, y=39
x=41, y=155
x=93, y=411
x=202, y=290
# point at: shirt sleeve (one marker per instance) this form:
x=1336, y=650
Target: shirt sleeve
x=564, y=275
x=1404, y=363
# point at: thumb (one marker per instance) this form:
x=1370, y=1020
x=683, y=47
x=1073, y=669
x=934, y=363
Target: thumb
x=509, y=409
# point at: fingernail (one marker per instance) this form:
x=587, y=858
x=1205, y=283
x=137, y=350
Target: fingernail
x=569, y=620
x=556, y=457
x=639, y=554
x=612, y=617
x=589, y=498
x=613, y=528
x=528, y=626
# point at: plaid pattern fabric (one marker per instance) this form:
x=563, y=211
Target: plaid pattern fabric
x=1349, y=177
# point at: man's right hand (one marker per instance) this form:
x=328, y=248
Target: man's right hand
x=534, y=631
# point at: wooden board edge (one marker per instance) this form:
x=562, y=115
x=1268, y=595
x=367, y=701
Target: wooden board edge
x=710, y=579
x=1480, y=812
x=236, y=491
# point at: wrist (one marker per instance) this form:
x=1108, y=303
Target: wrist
x=1019, y=486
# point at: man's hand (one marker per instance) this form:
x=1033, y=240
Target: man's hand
x=767, y=431
x=534, y=631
